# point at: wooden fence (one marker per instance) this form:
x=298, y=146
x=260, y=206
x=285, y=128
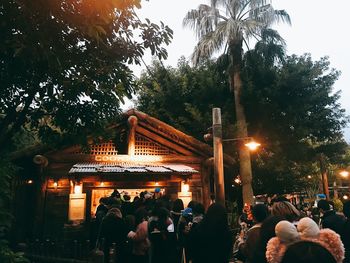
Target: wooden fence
x=54, y=251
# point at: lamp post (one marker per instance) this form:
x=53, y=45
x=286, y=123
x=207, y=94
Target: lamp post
x=324, y=175
x=218, y=153
x=218, y=158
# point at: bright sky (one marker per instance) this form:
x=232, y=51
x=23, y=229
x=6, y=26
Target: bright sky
x=319, y=27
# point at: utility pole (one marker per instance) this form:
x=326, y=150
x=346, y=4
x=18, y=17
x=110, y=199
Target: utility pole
x=218, y=158
x=324, y=175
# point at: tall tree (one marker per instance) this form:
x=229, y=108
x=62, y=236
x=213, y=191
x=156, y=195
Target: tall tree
x=184, y=96
x=223, y=26
x=64, y=65
x=291, y=106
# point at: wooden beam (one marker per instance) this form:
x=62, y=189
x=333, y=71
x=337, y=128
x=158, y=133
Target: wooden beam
x=162, y=141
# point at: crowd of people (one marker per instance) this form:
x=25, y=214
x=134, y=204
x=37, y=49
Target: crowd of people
x=152, y=228
x=281, y=233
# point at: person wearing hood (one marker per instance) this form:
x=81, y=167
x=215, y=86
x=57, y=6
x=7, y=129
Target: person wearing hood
x=114, y=230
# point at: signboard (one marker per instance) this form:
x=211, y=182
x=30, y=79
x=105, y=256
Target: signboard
x=77, y=207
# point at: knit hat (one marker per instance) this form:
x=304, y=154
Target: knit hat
x=286, y=232
x=307, y=229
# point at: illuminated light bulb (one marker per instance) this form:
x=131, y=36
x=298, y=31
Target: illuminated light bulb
x=30, y=181
x=55, y=184
x=78, y=189
x=252, y=145
x=102, y=184
x=345, y=197
x=344, y=174
x=156, y=183
x=237, y=180
x=185, y=187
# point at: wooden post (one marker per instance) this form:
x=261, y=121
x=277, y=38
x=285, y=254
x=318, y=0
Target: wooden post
x=132, y=121
x=205, y=180
x=335, y=189
x=218, y=158
x=324, y=175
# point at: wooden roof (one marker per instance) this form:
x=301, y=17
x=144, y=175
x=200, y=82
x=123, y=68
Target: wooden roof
x=180, y=145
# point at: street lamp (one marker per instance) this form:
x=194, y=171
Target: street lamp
x=344, y=174
x=215, y=134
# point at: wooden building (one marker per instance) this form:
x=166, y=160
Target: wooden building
x=143, y=153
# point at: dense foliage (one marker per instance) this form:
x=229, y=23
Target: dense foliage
x=64, y=69
x=290, y=107
x=184, y=96
x=64, y=65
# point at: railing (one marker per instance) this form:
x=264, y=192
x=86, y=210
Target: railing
x=53, y=251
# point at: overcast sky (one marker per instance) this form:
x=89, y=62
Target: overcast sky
x=319, y=27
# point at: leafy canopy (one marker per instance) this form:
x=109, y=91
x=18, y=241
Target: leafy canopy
x=64, y=65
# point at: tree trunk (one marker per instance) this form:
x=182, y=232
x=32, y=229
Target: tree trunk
x=245, y=168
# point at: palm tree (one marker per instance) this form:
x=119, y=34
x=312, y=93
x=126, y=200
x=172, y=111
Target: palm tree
x=225, y=25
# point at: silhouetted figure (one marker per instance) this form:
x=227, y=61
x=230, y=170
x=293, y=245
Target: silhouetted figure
x=211, y=241
x=307, y=252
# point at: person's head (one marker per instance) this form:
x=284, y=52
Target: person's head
x=260, y=213
x=104, y=200
x=178, y=205
x=141, y=214
x=307, y=252
x=198, y=209
x=191, y=204
x=114, y=212
x=126, y=197
x=323, y=205
x=115, y=194
x=267, y=229
x=215, y=218
x=286, y=210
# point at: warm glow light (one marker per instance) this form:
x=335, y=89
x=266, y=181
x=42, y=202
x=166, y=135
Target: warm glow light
x=309, y=176
x=156, y=183
x=102, y=184
x=185, y=188
x=344, y=174
x=345, y=197
x=237, y=180
x=55, y=184
x=30, y=181
x=78, y=188
x=252, y=145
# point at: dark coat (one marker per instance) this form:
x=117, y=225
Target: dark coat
x=114, y=230
x=333, y=221
x=346, y=240
x=163, y=242
x=210, y=246
x=249, y=247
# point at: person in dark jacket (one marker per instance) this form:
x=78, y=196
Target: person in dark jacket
x=114, y=230
x=346, y=232
x=247, y=247
x=267, y=231
x=330, y=219
x=211, y=241
x=162, y=235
